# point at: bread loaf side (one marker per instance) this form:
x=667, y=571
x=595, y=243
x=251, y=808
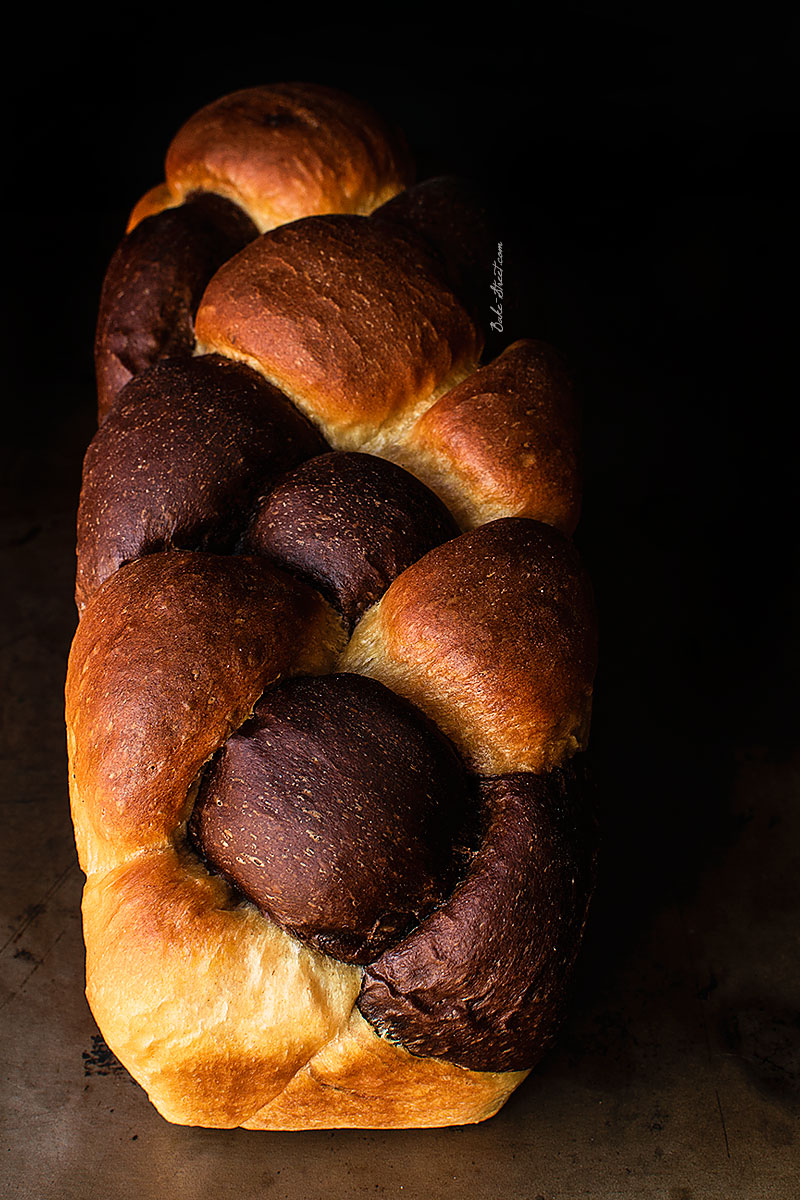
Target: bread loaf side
x=331, y=685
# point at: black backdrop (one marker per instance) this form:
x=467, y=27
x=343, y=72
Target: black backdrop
x=639, y=164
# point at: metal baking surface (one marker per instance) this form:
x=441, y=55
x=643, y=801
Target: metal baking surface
x=676, y=1075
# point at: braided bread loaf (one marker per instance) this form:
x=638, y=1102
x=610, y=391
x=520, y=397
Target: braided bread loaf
x=335, y=652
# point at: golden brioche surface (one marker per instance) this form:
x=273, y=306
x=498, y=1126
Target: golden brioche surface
x=281, y=152
x=225, y=1017
x=505, y=441
x=346, y=316
x=493, y=635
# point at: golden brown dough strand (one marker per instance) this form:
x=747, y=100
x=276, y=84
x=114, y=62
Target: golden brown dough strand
x=214, y=1008
x=284, y=151
x=505, y=441
x=351, y=318
x=493, y=636
x=170, y=656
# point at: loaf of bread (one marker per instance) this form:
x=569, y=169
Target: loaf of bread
x=332, y=676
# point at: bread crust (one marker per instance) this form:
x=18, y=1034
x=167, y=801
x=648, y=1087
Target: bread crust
x=496, y=1000
x=233, y=435
x=214, y=1009
x=284, y=151
x=350, y=318
x=224, y=1016
x=505, y=440
x=153, y=286
x=494, y=636
x=156, y=682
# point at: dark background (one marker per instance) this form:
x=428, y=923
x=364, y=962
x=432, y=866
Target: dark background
x=639, y=163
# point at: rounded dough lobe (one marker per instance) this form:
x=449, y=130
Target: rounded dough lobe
x=482, y=981
x=493, y=635
x=289, y=150
x=505, y=441
x=153, y=285
x=350, y=317
x=180, y=463
x=350, y=523
x=337, y=810
x=168, y=660
x=213, y=1008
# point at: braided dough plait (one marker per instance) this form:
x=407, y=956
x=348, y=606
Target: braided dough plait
x=238, y=533
x=282, y=152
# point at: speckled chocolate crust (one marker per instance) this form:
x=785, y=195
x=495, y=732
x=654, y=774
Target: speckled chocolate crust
x=350, y=523
x=337, y=809
x=180, y=462
x=468, y=985
x=153, y=286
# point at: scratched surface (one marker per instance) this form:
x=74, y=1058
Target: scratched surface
x=677, y=1075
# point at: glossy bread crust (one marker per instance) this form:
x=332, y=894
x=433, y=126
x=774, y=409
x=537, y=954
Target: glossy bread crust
x=284, y=151
x=223, y=1017
x=505, y=441
x=494, y=636
x=349, y=523
x=496, y=1000
x=335, y=658
x=351, y=318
